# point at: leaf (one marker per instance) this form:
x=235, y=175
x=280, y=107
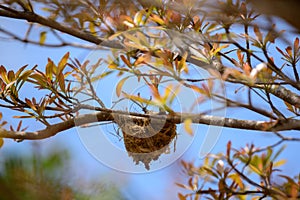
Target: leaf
x=62, y=63
x=217, y=50
x=1, y=141
x=20, y=71
x=49, y=69
x=132, y=38
x=19, y=126
x=11, y=76
x=24, y=117
x=30, y=104
x=43, y=36
x=138, y=17
x=61, y=81
x=182, y=63
x=157, y=19
x=181, y=196
x=237, y=179
x=184, y=186
x=125, y=61
x=120, y=85
x=279, y=163
x=3, y=74
x=188, y=126
x=92, y=28
x=289, y=106
x=289, y=51
x=257, y=33
x=197, y=89
x=296, y=45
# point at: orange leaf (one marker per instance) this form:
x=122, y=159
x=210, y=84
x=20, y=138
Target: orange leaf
x=1, y=142
x=30, y=104
x=181, y=196
x=296, y=44
x=289, y=51
x=125, y=61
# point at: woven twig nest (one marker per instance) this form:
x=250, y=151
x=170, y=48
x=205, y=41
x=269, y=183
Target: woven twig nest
x=145, y=139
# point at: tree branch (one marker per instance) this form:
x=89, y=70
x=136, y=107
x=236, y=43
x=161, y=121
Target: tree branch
x=176, y=118
x=32, y=17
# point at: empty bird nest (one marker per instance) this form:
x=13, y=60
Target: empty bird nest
x=145, y=139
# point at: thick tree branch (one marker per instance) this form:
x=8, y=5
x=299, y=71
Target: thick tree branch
x=32, y=17
x=177, y=118
x=277, y=90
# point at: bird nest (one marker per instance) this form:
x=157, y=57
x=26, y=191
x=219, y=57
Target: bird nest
x=145, y=139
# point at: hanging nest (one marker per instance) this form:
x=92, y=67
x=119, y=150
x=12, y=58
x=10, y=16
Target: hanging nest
x=145, y=139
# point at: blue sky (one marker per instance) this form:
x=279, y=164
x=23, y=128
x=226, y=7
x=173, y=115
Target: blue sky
x=137, y=186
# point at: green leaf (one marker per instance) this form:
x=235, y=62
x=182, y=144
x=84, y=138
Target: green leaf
x=278, y=152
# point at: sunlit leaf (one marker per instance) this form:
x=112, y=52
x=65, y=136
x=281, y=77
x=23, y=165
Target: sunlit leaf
x=24, y=117
x=43, y=36
x=289, y=51
x=62, y=63
x=120, y=85
x=49, y=69
x=138, y=17
x=279, y=163
x=20, y=71
x=188, y=126
x=3, y=74
x=92, y=28
x=61, y=81
x=237, y=179
x=30, y=104
x=157, y=19
x=125, y=60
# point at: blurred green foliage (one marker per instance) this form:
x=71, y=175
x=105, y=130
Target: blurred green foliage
x=48, y=177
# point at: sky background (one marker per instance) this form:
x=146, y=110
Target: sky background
x=154, y=185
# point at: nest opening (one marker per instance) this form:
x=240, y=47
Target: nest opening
x=146, y=139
